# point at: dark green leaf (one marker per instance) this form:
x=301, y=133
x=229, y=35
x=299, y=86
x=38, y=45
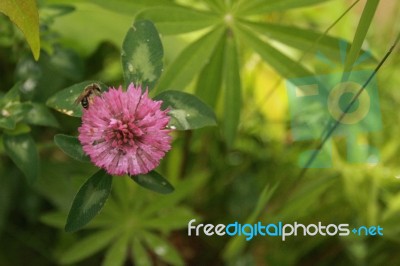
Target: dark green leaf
x=177, y=20
x=142, y=55
x=22, y=150
x=88, y=246
x=186, y=110
x=89, y=200
x=190, y=61
x=63, y=101
x=232, y=92
x=11, y=96
x=210, y=79
x=24, y=14
x=262, y=6
x=71, y=146
x=155, y=182
x=40, y=115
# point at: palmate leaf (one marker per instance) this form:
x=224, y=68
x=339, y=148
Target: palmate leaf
x=142, y=54
x=190, y=62
x=116, y=254
x=139, y=254
x=232, y=92
x=89, y=200
x=262, y=6
x=24, y=14
x=186, y=111
x=163, y=249
x=177, y=19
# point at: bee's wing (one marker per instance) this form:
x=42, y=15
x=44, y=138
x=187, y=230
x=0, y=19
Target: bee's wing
x=80, y=97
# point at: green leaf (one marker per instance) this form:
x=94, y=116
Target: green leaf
x=232, y=92
x=210, y=79
x=142, y=55
x=186, y=110
x=189, y=63
x=13, y=113
x=24, y=14
x=302, y=39
x=262, y=6
x=88, y=246
x=177, y=20
x=54, y=219
x=22, y=151
x=362, y=29
x=154, y=181
x=89, y=200
x=284, y=65
x=129, y=7
x=139, y=254
x=163, y=249
x=40, y=115
x=63, y=101
x=71, y=146
x=117, y=253
x=174, y=219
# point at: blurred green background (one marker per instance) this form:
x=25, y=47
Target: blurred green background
x=236, y=56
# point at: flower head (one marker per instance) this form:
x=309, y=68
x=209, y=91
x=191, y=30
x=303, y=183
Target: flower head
x=125, y=132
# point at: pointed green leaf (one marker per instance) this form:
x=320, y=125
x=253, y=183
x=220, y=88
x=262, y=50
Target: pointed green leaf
x=142, y=55
x=262, y=6
x=154, y=181
x=22, y=151
x=210, y=79
x=285, y=66
x=163, y=249
x=89, y=200
x=118, y=252
x=139, y=254
x=190, y=61
x=71, y=146
x=64, y=100
x=88, y=246
x=186, y=110
x=232, y=92
x=40, y=115
x=177, y=20
x=24, y=14
x=362, y=29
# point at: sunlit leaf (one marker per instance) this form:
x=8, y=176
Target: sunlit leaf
x=210, y=79
x=154, y=181
x=262, y=6
x=22, y=150
x=89, y=200
x=88, y=246
x=24, y=14
x=64, y=100
x=142, y=55
x=71, y=146
x=362, y=29
x=189, y=63
x=177, y=20
x=232, y=92
x=186, y=110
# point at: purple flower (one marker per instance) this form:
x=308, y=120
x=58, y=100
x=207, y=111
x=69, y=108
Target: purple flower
x=125, y=132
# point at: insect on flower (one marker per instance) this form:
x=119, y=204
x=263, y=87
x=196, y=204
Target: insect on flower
x=88, y=94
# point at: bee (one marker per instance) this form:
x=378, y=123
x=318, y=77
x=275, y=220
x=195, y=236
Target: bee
x=88, y=94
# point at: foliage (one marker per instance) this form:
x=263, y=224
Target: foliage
x=212, y=63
